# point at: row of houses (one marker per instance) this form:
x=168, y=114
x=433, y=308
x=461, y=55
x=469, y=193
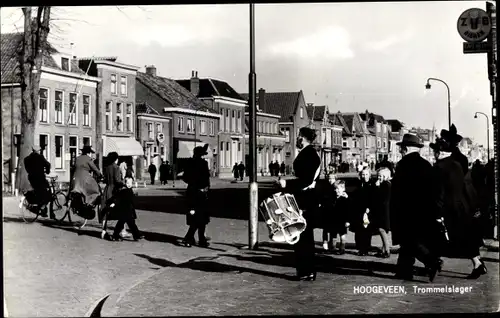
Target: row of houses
x=147, y=118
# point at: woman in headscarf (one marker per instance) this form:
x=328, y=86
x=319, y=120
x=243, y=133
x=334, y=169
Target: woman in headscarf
x=306, y=167
x=84, y=182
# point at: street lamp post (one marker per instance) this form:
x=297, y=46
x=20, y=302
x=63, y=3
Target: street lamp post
x=428, y=86
x=487, y=131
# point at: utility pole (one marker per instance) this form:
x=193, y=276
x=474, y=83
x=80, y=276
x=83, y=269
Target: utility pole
x=495, y=101
x=252, y=83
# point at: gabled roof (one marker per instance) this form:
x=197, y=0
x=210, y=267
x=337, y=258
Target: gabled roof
x=378, y=118
x=349, y=118
x=145, y=108
x=317, y=111
x=396, y=125
x=173, y=93
x=210, y=87
x=10, y=47
x=338, y=119
x=283, y=104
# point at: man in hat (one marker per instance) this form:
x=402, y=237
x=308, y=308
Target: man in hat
x=197, y=177
x=37, y=166
x=410, y=209
x=453, y=139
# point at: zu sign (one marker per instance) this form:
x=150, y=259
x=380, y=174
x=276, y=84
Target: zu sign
x=474, y=25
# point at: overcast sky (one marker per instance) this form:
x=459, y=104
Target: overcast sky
x=351, y=57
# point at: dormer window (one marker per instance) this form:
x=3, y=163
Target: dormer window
x=301, y=112
x=65, y=64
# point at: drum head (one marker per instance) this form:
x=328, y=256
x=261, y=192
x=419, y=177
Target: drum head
x=291, y=231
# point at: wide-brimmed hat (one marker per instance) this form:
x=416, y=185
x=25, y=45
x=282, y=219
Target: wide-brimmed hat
x=441, y=145
x=451, y=135
x=200, y=151
x=87, y=149
x=410, y=140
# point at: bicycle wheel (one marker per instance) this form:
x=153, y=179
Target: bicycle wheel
x=58, y=205
x=29, y=212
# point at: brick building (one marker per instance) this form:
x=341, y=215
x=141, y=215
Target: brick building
x=66, y=108
x=223, y=99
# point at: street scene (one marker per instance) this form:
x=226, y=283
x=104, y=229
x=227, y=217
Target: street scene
x=351, y=169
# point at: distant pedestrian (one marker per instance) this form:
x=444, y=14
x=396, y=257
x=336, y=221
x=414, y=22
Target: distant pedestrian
x=271, y=168
x=282, y=168
x=235, y=171
x=152, y=172
x=163, y=173
x=241, y=170
x=197, y=177
x=276, y=168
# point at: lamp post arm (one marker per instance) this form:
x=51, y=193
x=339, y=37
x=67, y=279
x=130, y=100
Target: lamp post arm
x=448, y=90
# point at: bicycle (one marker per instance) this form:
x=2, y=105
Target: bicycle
x=31, y=211
x=79, y=220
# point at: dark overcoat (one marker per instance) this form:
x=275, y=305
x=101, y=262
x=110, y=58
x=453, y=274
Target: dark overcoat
x=380, y=214
x=124, y=208
x=84, y=182
x=448, y=201
x=410, y=213
x=306, y=167
x=197, y=177
x=458, y=156
x=37, y=166
x=363, y=198
x=113, y=180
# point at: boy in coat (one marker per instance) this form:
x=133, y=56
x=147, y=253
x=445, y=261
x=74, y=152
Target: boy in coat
x=337, y=216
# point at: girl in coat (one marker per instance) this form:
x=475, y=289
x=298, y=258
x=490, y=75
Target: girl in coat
x=327, y=204
x=362, y=218
x=340, y=222
x=380, y=216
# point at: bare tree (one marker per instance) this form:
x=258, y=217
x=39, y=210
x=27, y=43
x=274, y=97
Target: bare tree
x=34, y=47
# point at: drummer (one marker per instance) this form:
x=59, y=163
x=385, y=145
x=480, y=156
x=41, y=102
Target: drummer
x=307, y=168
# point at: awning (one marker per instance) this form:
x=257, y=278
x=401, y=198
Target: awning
x=124, y=146
x=186, y=149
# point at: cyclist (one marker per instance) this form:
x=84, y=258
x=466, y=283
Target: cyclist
x=84, y=182
x=37, y=166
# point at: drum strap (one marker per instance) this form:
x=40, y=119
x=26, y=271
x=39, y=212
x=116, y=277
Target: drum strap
x=316, y=175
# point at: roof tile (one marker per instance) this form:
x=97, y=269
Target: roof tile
x=283, y=104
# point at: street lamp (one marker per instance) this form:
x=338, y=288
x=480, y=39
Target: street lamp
x=487, y=131
x=428, y=86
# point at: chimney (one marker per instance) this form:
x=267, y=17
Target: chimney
x=262, y=99
x=195, y=83
x=151, y=70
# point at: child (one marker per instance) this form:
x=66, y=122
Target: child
x=327, y=204
x=381, y=211
x=124, y=205
x=361, y=224
x=340, y=213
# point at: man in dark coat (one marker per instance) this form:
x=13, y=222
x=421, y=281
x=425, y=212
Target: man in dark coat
x=241, y=170
x=163, y=172
x=307, y=168
x=235, y=171
x=197, y=177
x=453, y=138
x=410, y=213
x=152, y=172
x=282, y=168
x=37, y=166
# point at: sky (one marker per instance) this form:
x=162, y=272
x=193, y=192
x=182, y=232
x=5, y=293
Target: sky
x=350, y=56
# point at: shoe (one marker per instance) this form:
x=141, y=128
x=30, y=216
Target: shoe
x=203, y=244
x=308, y=278
x=186, y=243
x=383, y=254
x=125, y=234
x=116, y=238
x=137, y=238
x=362, y=253
x=477, y=272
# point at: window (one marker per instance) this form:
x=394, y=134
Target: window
x=87, y=141
x=108, y=116
x=239, y=122
x=159, y=128
x=113, y=83
x=73, y=147
x=150, y=131
x=355, y=141
x=86, y=110
x=233, y=120
x=259, y=128
x=301, y=112
x=190, y=125
x=384, y=128
x=59, y=144
x=228, y=159
x=385, y=143
x=119, y=117
x=222, y=120
x=65, y=63
x=43, y=99
x=73, y=108
x=287, y=134
x=222, y=157
x=123, y=85
x=227, y=120
x=44, y=146
x=212, y=128
x=378, y=127
x=58, y=106
x=378, y=142
x=180, y=124
x=129, y=118
x=203, y=127
x=344, y=142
